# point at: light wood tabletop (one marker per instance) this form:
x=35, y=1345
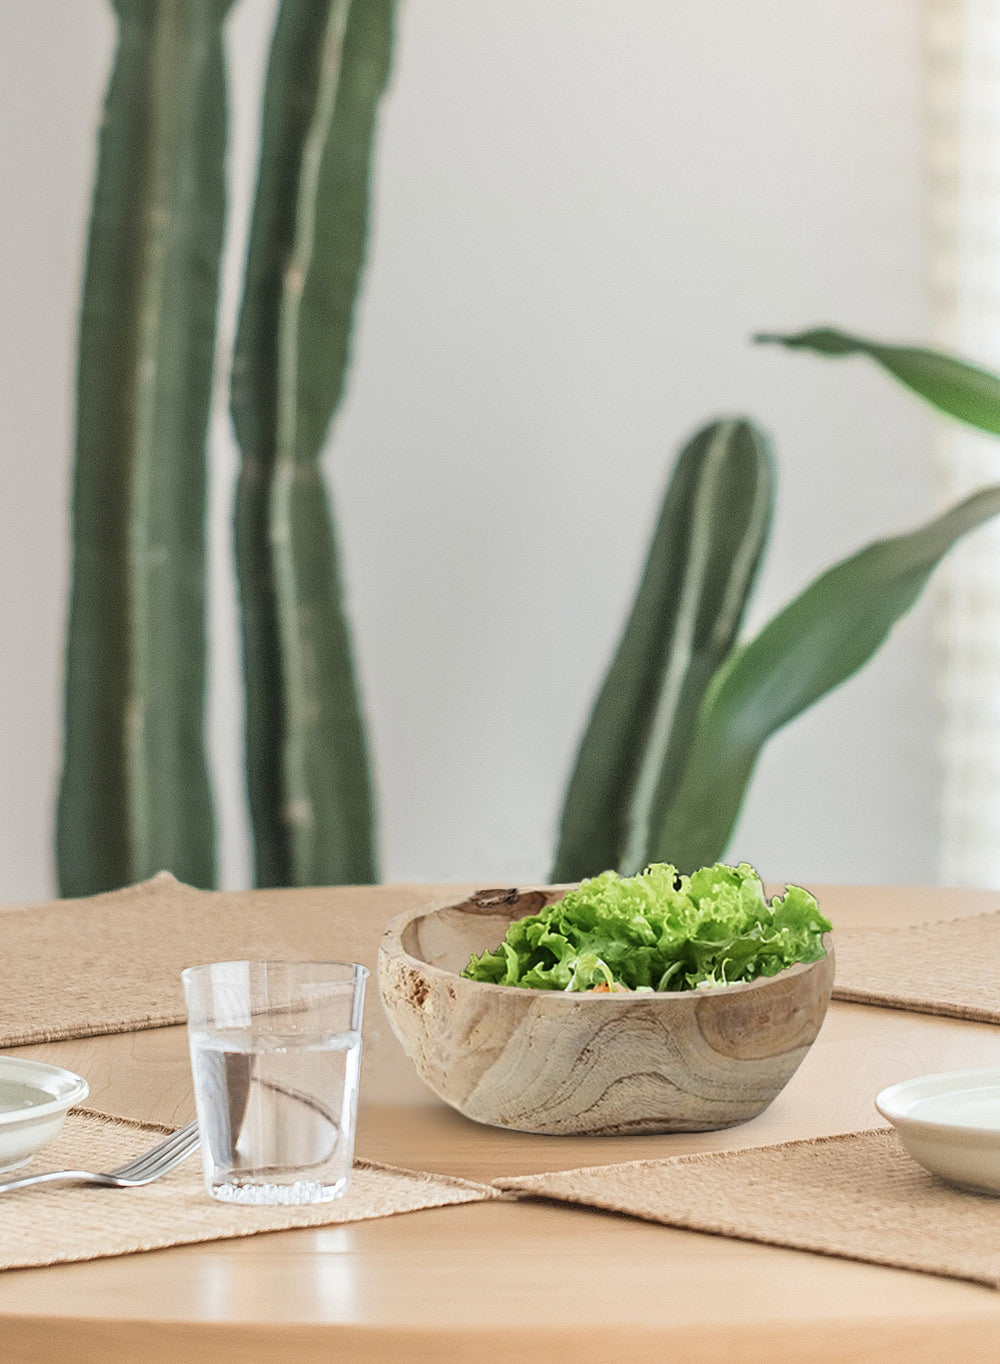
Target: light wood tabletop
x=515, y=1281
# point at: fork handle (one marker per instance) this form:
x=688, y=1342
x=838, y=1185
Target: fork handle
x=54, y=1176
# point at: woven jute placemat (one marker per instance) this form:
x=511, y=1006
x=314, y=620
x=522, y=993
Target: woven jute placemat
x=950, y=967
x=858, y=1196
x=53, y=1223
x=111, y=963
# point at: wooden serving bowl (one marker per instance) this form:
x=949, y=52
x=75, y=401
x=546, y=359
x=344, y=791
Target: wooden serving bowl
x=571, y=1063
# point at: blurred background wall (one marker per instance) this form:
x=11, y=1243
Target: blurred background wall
x=583, y=211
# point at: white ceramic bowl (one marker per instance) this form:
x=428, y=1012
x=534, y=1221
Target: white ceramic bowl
x=950, y=1124
x=34, y=1100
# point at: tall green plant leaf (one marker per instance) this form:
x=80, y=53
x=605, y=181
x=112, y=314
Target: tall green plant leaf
x=812, y=646
x=962, y=390
x=134, y=792
x=702, y=562
x=308, y=769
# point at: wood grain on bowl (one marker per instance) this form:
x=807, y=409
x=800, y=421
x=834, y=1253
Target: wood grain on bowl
x=553, y=1062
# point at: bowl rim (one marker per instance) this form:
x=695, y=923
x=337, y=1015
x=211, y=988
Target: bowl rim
x=75, y=1089
x=887, y=1102
x=391, y=948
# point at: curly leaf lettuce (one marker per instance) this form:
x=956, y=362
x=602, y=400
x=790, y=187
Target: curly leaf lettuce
x=658, y=930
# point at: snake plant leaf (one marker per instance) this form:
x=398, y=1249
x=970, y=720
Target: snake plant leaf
x=134, y=792
x=703, y=559
x=309, y=778
x=818, y=641
x=953, y=386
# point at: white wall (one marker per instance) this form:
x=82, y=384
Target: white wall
x=584, y=208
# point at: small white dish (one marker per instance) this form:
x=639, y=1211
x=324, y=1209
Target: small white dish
x=34, y=1100
x=950, y=1124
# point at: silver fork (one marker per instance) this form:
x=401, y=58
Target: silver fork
x=143, y=1170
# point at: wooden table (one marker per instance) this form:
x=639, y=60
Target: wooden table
x=517, y=1281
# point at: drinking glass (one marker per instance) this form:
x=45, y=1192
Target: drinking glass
x=276, y=1059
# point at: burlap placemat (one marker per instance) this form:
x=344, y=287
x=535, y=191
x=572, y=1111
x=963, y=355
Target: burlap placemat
x=52, y=1224
x=950, y=967
x=111, y=963
x=858, y=1196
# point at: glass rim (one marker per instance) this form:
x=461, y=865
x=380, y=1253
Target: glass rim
x=358, y=970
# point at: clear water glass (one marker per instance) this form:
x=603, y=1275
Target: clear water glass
x=276, y=1060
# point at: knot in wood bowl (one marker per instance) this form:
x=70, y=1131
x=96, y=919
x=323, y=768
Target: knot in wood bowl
x=583, y=1064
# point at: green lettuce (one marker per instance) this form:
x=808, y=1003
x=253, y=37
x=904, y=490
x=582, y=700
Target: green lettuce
x=658, y=931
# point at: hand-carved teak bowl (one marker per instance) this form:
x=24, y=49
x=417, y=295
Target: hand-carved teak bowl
x=553, y=1062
